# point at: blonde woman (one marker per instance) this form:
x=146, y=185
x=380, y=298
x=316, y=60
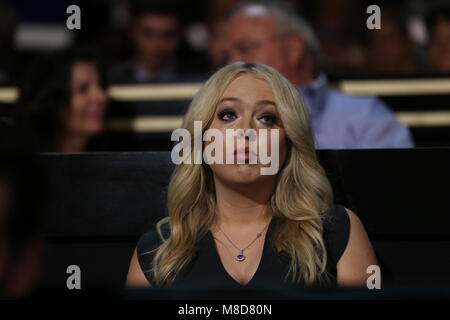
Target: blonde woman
x=230, y=225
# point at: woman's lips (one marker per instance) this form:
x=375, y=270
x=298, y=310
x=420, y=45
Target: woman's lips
x=244, y=153
x=242, y=150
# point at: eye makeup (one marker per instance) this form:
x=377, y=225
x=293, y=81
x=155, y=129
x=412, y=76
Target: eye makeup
x=269, y=118
x=226, y=114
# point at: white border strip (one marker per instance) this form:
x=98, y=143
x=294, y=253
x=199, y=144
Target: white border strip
x=395, y=87
x=146, y=124
x=424, y=118
x=154, y=92
x=8, y=94
x=181, y=91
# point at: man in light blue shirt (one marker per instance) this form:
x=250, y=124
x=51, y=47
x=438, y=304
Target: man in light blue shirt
x=342, y=121
x=270, y=34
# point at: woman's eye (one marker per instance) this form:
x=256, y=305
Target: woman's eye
x=227, y=115
x=83, y=88
x=268, y=119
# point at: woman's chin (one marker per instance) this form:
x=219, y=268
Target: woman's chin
x=94, y=129
x=246, y=174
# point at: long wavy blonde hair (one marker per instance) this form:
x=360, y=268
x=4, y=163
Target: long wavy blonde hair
x=301, y=199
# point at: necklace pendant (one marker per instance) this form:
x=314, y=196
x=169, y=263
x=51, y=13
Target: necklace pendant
x=240, y=257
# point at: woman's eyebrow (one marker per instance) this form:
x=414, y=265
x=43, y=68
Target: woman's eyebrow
x=267, y=102
x=232, y=99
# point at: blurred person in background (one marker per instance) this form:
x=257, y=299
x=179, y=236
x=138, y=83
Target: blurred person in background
x=390, y=49
x=438, y=25
x=21, y=244
x=215, y=24
x=62, y=102
x=268, y=33
x=338, y=31
x=160, y=53
x=8, y=24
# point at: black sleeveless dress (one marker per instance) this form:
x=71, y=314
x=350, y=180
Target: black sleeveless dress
x=206, y=268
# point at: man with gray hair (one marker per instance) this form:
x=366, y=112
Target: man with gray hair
x=267, y=33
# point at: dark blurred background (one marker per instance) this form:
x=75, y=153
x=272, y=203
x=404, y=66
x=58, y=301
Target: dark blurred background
x=404, y=46
x=175, y=41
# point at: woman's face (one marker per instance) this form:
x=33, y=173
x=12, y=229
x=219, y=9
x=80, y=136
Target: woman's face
x=247, y=103
x=85, y=116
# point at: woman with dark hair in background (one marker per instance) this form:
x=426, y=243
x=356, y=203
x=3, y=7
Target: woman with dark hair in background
x=62, y=102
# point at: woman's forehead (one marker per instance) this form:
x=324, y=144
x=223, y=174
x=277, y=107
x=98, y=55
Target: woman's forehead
x=248, y=86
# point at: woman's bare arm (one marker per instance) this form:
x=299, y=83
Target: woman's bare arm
x=358, y=255
x=136, y=277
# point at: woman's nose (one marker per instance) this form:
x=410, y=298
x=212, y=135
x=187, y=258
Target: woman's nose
x=100, y=95
x=246, y=123
x=248, y=127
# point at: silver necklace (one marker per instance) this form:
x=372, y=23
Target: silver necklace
x=240, y=256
